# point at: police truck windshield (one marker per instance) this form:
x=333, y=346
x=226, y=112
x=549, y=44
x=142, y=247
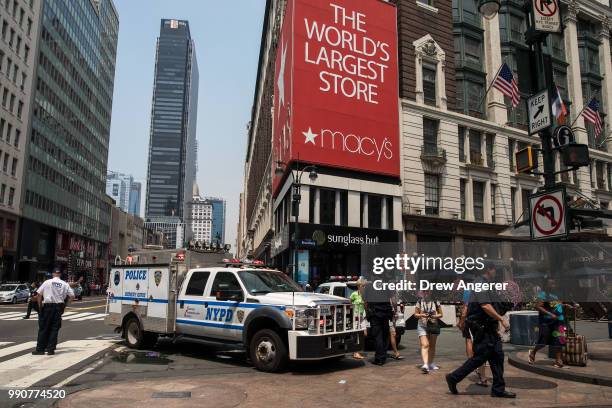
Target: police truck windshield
x=262, y=282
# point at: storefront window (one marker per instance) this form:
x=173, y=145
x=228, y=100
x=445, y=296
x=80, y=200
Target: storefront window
x=374, y=211
x=327, y=206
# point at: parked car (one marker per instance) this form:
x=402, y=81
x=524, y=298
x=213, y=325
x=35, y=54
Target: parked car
x=14, y=292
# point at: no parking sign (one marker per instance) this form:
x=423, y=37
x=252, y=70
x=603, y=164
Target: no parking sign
x=548, y=214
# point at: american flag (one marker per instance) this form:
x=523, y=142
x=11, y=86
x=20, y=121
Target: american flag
x=508, y=85
x=591, y=114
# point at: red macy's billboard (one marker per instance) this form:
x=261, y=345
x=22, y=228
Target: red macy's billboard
x=336, y=86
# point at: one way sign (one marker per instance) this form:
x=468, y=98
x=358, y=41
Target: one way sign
x=539, y=112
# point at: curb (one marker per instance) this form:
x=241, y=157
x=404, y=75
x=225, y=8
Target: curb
x=594, y=379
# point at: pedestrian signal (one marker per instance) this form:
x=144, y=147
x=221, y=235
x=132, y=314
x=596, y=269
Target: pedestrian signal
x=525, y=160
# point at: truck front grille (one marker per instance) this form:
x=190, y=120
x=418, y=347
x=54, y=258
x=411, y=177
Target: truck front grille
x=341, y=318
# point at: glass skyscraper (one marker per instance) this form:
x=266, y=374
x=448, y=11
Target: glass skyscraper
x=66, y=212
x=172, y=146
x=218, y=219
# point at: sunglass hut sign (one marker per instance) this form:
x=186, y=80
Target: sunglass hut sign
x=336, y=96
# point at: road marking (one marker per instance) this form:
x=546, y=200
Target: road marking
x=11, y=314
x=37, y=368
x=99, y=316
x=86, y=308
x=17, y=348
x=4, y=343
x=19, y=317
x=73, y=376
x=75, y=316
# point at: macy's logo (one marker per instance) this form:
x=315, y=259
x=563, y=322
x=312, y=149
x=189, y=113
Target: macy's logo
x=362, y=145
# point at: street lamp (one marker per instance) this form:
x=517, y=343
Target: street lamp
x=297, y=174
x=489, y=8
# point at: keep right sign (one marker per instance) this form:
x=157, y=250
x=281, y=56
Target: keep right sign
x=547, y=15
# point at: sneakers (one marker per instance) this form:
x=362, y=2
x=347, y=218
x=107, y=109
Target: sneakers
x=425, y=369
x=433, y=367
x=51, y=352
x=38, y=353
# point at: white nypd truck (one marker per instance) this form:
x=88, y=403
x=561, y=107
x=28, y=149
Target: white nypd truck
x=260, y=308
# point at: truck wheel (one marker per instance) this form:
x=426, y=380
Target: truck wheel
x=134, y=335
x=268, y=351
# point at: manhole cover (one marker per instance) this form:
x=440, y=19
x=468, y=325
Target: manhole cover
x=523, y=383
x=180, y=394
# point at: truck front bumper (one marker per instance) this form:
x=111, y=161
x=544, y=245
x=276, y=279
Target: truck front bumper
x=304, y=346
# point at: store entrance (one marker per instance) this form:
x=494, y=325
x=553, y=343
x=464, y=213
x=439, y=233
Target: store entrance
x=324, y=264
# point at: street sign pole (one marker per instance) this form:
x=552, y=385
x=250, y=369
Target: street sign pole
x=535, y=40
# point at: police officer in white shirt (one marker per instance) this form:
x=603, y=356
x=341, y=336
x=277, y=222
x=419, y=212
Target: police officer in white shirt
x=52, y=295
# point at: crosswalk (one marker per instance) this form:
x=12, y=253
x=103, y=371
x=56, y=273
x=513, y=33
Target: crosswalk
x=67, y=316
x=20, y=369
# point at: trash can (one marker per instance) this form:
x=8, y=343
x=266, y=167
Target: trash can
x=524, y=328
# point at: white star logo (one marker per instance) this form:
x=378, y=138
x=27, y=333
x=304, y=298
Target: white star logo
x=280, y=83
x=310, y=137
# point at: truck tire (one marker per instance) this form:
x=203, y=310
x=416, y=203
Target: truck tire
x=268, y=351
x=134, y=334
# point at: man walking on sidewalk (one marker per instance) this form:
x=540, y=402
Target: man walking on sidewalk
x=482, y=321
x=52, y=295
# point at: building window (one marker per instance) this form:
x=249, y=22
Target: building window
x=490, y=142
x=11, y=196
x=462, y=144
x=599, y=170
x=432, y=194
x=525, y=203
x=478, y=200
x=511, y=153
x=430, y=135
x=475, y=147
x=429, y=84
x=327, y=206
x=14, y=167
x=512, y=202
x=374, y=211
x=493, y=194
x=311, y=204
x=2, y=193
x=462, y=197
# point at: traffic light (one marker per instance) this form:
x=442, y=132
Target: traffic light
x=575, y=155
x=525, y=160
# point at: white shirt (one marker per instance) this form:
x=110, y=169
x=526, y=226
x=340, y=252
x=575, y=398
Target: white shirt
x=55, y=291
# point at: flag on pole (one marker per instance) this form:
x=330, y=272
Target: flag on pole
x=558, y=107
x=508, y=85
x=591, y=114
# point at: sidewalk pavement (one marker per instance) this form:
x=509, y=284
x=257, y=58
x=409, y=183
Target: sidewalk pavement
x=598, y=370
x=344, y=383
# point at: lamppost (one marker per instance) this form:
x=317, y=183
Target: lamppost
x=296, y=174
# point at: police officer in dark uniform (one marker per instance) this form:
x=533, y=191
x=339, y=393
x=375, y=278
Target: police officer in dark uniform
x=379, y=313
x=483, y=317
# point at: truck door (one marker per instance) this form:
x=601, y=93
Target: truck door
x=222, y=308
x=115, y=290
x=191, y=305
x=159, y=288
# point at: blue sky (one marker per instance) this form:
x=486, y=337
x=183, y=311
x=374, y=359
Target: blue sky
x=227, y=36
